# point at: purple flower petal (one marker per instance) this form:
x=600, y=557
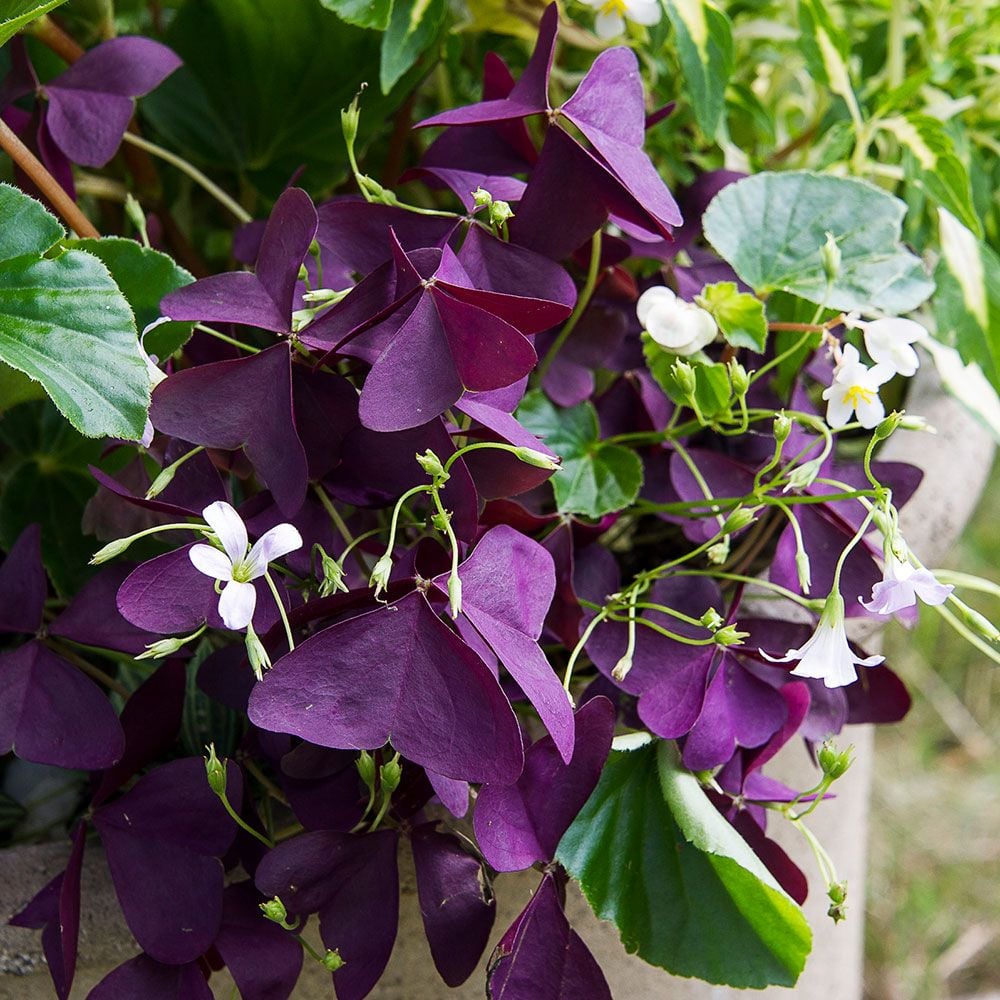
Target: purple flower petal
x=507, y=587
x=164, y=861
x=353, y=882
x=144, y=977
x=517, y=825
x=23, y=586
x=51, y=713
x=242, y=403
x=542, y=956
x=385, y=674
x=456, y=902
x=56, y=911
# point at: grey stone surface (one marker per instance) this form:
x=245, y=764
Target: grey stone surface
x=956, y=462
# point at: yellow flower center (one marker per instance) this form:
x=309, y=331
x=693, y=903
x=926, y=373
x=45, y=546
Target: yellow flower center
x=858, y=394
x=614, y=7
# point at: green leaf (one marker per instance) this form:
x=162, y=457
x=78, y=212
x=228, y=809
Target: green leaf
x=362, y=13
x=705, y=50
x=933, y=163
x=740, y=316
x=772, y=227
x=413, y=28
x=967, y=303
x=826, y=49
x=595, y=478
x=655, y=857
x=65, y=324
x=144, y=276
x=712, y=388
x=15, y=14
x=27, y=227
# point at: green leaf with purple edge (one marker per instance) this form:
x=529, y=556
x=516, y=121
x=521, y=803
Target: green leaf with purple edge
x=655, y=857
x=595, y=478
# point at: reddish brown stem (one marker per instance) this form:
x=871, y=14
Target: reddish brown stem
x=46, y=183
x=50, y=34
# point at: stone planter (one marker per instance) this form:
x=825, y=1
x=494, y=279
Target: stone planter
x=956, y=462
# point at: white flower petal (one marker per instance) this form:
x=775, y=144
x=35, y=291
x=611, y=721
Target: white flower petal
x=643, y=11
x=273, y=544
x=237, y=603
x=608, y=25
x=838, y=409
x=870, y=414
x=927, y=587
x=228, y=527
x=211, y=562
x=652, y=297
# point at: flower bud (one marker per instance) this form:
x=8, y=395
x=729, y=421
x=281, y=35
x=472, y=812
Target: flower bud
x=833, y=762
x=215, y=771
x=621, y=668
x=432, y=465
x=730, y=635
x=455, y=594
x=837, y=891
x=979, y=624
x=537, y=458
x=782, y=427
x=500, y=212
x=112, y=549
x=804, y=570
x=303, y=273
x=381, y=573
x=738, y=377
x=161, y=482
x=350, y=117
x=274, y=910
x=718, y=553
x=712, y=619
x=837, y=912
x=390, y=774
x=366, y=768
x=887, y=426
x=332, y=960
x=256, y=653
x=482, y=197
x=803, y=475
x=916, y=423
x=684, y=376
x=333, y=575
x=739, y=519
x=162, y=647
x=831, y=257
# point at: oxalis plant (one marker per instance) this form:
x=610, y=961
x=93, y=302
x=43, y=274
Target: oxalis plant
x=512, y=520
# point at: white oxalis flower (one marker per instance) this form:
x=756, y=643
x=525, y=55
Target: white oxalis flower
x=855, y=390
x=235, y=567
x=612, y=15
x=678, y=326
x=902, y=584
x=826, y=654
x=888, y=342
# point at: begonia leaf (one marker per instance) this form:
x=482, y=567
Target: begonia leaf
x=381, y=676
x=772, y=228
x=413, y=27
x=517, y=825
x=352, y=881
x=51, y=713
x=541, y=957
x=594, y=478
x=165, y=862
x=456, y=901
x=19, y=13
x=649, y=836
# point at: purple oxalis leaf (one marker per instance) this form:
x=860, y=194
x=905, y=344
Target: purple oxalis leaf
x=23, y=586
x=517, y=825
x=398, y=673
x=51, y=713
x=352, y=881
x=144, y=977
x=456, y=901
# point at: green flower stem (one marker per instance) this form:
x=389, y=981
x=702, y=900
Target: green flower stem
x=966, y=633
x=823, y=860
x=664, y=609
x=858, y=535
x=341, y=526
x=478, y=446
x=778, y=358
x=233, y=207
x=242, y=823
x=583, y=300
x=89, y=669
x=281, y=610
x=449, y=531
x=578, y=648
x=308, y=948
x=698, y=477
x=968, y=581
x=811, y=604
x=394, y=523
x=676, y=636
x=219, y=335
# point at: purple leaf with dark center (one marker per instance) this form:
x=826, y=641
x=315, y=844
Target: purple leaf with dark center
x=245, y=403
x=164, y=861
x=264, y=960
x=879, y=696
x=23, y=586
x=326, y=411
x=51, y=713
x=507, y=587
x=90, y=104
x=353, y=883
x=398, y=673
x=456, y=901
x=144, y=977
x=323, y=787
x=55, y=911
x=265, y=298
x=517, y=825
x=542, y=958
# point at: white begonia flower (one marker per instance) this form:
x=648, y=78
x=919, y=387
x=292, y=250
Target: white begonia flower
x=826, y=654
x=855, y=390
x=235, y=567
x=902, y=584
x=678, y=326
x=612, y=15
x=888, y=341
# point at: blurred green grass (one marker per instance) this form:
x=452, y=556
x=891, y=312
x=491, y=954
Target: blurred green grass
x=933, y=909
